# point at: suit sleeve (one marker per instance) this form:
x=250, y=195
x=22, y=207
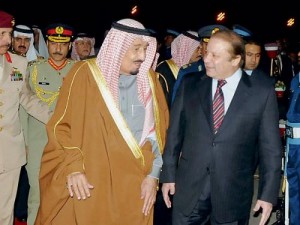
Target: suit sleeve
x=270, y=151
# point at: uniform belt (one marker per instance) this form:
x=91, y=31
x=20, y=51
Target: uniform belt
x=292, y=132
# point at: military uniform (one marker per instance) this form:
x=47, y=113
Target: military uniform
x=204, y=33
x=13, y=92
x=45, y=79
x=293, y=151
x=188, y=68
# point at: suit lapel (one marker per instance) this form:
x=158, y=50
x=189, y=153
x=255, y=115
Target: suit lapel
x=206, y=98
x=241, y=96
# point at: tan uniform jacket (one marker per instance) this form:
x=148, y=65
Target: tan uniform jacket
x=45, y=82
x=14, y=90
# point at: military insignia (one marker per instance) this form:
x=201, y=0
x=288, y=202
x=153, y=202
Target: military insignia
x=200, y=68
x=185, y=66
x=36, y=62
x=59, y=30
x=16, y=75
x=215, y=30
x=31, y=63
x=205, y=40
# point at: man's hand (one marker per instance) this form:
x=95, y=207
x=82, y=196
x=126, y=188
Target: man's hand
x=77, y=183
x=266, y=210
x=168, y=188
x=148, y=193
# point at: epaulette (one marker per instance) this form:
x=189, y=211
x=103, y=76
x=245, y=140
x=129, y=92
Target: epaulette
x=186, y=66
x=37, y=61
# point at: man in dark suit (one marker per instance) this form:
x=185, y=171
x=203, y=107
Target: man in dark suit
x=213, y=170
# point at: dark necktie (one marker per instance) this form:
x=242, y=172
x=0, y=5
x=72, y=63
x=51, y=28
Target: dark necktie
x=218, y=106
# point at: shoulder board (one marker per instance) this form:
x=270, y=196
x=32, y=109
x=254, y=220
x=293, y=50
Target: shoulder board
x=37, y=61
x=186, y=66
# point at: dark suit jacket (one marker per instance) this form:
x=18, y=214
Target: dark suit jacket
x=194, y=155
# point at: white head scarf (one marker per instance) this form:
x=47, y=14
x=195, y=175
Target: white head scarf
x=82, y=36
x=183, y=47
x=43, y=49
x=109, y=58
x=22, y=30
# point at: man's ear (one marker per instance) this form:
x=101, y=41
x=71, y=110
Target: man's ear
x=236, y=60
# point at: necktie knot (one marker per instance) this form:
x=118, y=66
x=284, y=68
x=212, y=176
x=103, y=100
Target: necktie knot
x=221, y=83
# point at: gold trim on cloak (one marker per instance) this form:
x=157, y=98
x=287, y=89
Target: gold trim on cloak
x=115, y=112
x=60, y=119
x=173, y=67
x=156, y=111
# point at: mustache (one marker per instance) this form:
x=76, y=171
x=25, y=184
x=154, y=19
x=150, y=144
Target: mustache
x=138, y=61
x=22, y=46
x=57, y=53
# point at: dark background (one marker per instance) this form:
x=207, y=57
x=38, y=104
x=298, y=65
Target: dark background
x=265, y=19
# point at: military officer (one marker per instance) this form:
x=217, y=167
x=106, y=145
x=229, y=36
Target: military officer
x=45, y=79
x=204, y=34
x=13, y=92
x=293, y=151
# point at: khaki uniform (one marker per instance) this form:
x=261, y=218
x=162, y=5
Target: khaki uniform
x=45, y=81
x=13, y=92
